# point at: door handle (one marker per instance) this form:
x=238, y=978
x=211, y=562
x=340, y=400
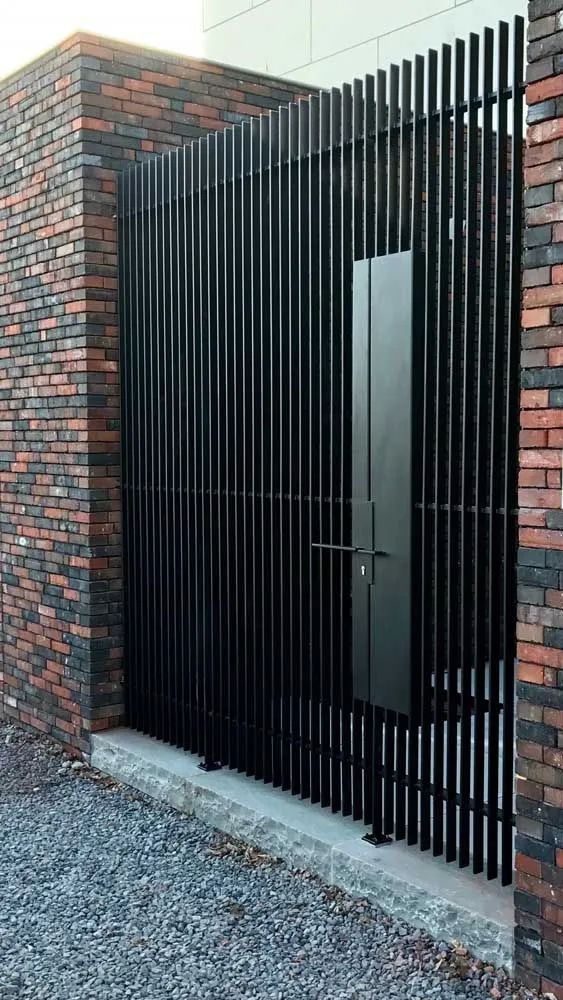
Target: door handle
x=349, y=548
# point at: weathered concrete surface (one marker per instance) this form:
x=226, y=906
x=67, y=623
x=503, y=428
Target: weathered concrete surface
x=412, y=886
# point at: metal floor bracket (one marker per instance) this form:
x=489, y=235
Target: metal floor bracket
x=212, y=765
x=377, y=839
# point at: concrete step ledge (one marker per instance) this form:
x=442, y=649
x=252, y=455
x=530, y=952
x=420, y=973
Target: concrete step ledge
x=406, y=883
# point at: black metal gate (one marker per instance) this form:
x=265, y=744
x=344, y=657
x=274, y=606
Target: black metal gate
x=319, y=456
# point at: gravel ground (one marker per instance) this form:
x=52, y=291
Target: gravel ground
x=105, y=895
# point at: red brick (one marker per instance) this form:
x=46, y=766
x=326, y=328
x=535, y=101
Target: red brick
x=539, y=498
x=545, y=132
x=529, y=789
x=541, y=418
x=541, y=538
x=164, y=79
x=140, y=86
x=544, y=173
x=133, y=109
x=544, y=294
x=17, y=97
x=533, y=438
x=93, y=124
x=532, y=478
x=527, y=865
x=543, y=89
x=145, y=104
x=544, y=655
x=544, y=214
x=553, y=717
x=535, y=317
x=533, y=398
x=525, y=748
x=539, y=458
x=532, y=673
x=119, y=92
x=545, y=153
x=531, y=518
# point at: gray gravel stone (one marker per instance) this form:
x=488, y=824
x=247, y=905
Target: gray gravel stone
x=105, y=895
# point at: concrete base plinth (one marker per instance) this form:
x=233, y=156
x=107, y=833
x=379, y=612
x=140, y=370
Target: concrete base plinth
x=408, y=884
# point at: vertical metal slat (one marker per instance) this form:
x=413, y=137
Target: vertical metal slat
x=416, y=237
x=428, y=459
x=345, y=245
x=452, y=529
x=315, y=563
x=479, y=586
x=495, y=485
x=440, y=451
x=510, y=455
x=467, y=467
x=402, y=243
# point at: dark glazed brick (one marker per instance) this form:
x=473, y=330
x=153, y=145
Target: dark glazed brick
x=539, y=70
x=537, y=236
x=540, y=113
x=536, y=733
x=554, y=637
x=539, y=256
x=532, y=557
x=541, y=195
x=537, y=694
x=525, y=901
x=542, y=378
x=541, y=27
x=552, y=45
x=527, y=938
x=531, y=595
x=534, y=848
x=536, y=576
x=543, y=8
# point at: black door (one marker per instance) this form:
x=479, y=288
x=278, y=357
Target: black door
x=383, y=466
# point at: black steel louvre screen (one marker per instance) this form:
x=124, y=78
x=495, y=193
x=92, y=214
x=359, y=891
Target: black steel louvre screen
x=236, y=259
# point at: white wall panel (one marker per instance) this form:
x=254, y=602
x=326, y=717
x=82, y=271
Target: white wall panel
x=325, y=42
x=271, y=38
x=445, y=27
x=340, y=68
x=337, y=26
x=215, y=11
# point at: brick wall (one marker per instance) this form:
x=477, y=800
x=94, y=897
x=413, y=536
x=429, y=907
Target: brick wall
x=539, y=840
x=67, y=123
